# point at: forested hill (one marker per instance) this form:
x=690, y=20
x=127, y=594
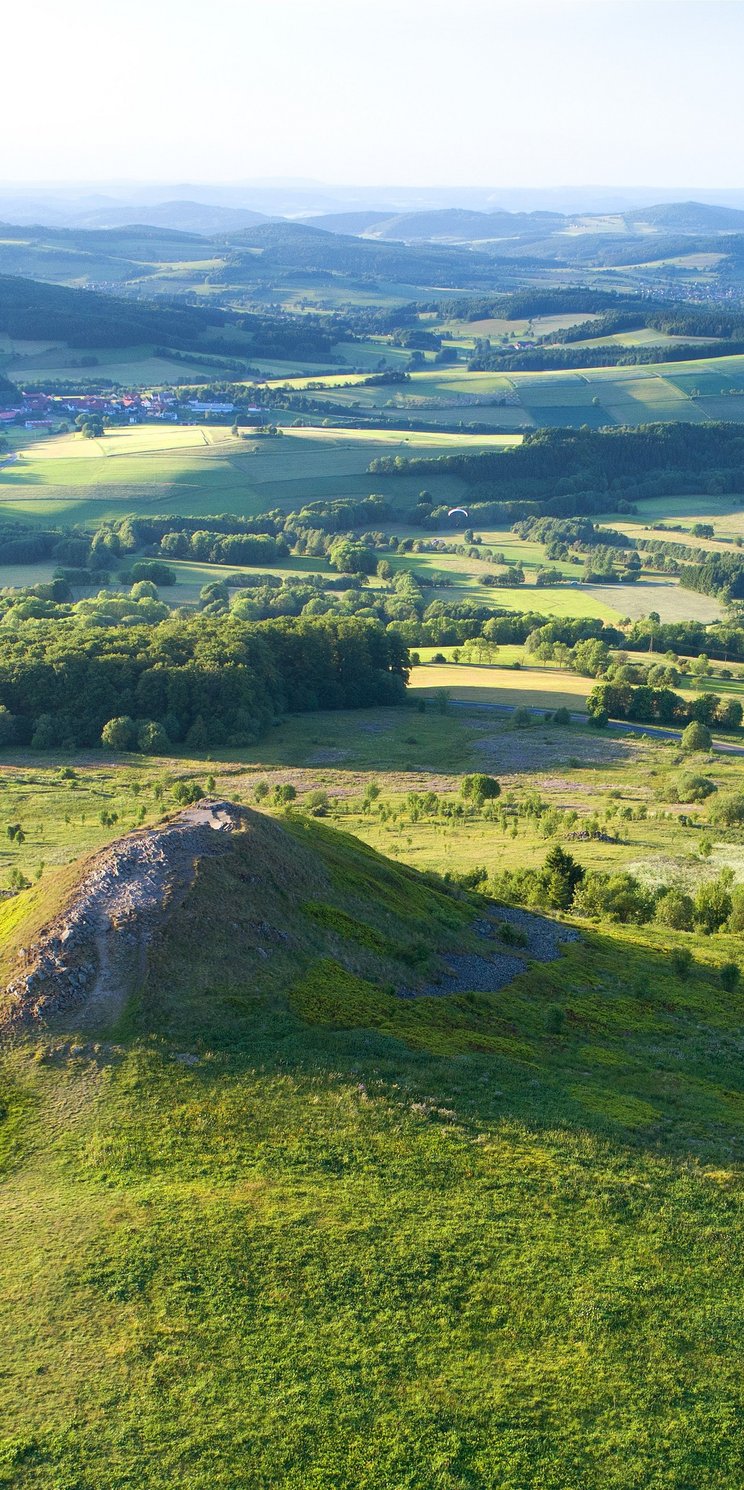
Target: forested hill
x=598, y=456
x=32, y=310
x=298, y=246
x=561, y=472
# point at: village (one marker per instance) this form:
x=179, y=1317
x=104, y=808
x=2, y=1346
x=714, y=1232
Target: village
x=38, y=410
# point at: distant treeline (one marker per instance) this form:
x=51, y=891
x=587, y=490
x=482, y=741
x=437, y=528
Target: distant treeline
x=524, y=305
x=208, y=681
x=223, y=538
x=573, y=472
x=673, y=320
x=559, y=534
x=716, y=574
x=551, y=358
x=646, y=705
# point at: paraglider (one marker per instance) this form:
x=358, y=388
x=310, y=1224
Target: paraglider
x=454, y=511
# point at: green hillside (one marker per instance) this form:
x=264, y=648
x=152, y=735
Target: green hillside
x=278, y=1226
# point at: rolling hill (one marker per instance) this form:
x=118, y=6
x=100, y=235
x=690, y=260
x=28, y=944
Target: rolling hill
x=268, y=1221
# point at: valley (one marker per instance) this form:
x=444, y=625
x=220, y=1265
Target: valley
x=371, y=827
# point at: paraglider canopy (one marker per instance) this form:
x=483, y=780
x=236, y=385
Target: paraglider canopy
x=454, y=511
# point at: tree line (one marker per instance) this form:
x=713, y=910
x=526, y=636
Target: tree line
x=207, y=681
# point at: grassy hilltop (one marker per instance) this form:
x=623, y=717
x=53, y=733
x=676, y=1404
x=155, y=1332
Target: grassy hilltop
x=272, y=1222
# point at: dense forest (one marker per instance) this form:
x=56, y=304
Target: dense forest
x=716, y=574
x=208, y=681
x=570, y=472
x=32, y=310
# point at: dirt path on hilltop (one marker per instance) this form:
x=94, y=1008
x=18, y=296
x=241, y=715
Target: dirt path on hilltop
x=94, y=953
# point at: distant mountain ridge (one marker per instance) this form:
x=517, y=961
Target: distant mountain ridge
x=202, y=218
x=454, y=224
x=448, y=223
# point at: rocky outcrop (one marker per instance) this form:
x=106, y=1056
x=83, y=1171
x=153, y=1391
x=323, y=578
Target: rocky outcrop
x=94, y=950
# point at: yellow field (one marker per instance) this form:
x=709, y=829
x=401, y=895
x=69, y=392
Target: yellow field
x=139, y=439
x=398, y=437
x=536, y=687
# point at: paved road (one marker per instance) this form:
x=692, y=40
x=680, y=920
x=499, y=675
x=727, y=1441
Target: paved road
x=653, y=731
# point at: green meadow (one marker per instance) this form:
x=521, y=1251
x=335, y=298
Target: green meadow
x=275, y=1225
x=202, y=469
x=695, y=391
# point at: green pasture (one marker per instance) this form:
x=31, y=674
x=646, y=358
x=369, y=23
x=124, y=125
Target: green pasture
x=726, y=513
x=276, y=1226
x=201, y=469
x=696, y=390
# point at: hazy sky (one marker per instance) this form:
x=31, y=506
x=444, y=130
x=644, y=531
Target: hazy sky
x=471, y=92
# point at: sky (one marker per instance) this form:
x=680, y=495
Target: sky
x=413, y=92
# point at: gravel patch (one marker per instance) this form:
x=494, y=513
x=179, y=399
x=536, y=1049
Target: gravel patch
x=470, y=972
x=544, y=937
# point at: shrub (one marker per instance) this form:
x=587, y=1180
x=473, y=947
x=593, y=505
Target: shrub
x=695, y=788
x=152, y=739
x=521, y=718
x=728, y=811
x=681, y=961
x=284, y=794
x=261, y=790
x=119, y=733
x=736, y=918
x=713, y=903
x=675, y=909
x=511, y=936
x=562, y=716
x=316, y=802
x=479, y=788
x=186, y=792
x=696, y=736
x=729, y=975
x=599, y=719
x=614, y=897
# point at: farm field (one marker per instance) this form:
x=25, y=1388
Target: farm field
x=541, y=688
x=726, y=513
x=201, y=469
x=198, y=470
x=710, y=388
x=533, y=685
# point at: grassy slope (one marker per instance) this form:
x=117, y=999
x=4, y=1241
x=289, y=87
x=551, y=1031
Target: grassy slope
x=198, y=470
x=363, y=1242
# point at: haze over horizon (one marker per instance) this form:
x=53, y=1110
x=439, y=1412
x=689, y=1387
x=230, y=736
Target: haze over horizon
x=413, y=96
